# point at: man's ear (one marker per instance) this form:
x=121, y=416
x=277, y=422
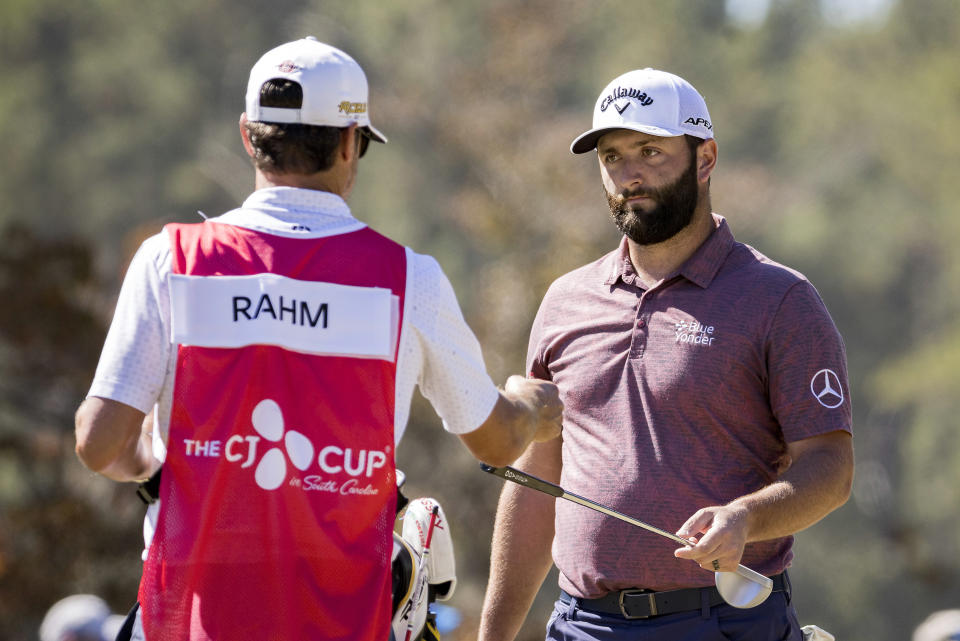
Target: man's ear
x=706, y=159
x=245, y=136
x=348, y=143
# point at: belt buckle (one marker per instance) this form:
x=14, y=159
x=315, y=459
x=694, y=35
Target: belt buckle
x=650, y=597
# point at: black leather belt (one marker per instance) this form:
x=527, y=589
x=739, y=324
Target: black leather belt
x=644, y=604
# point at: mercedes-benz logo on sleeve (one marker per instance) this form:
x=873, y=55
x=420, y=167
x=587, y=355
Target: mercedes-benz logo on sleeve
x=826, y=388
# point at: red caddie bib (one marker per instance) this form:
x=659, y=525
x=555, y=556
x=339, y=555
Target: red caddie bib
x=278, y=490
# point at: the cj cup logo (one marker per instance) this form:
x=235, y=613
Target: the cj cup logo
x=271, y=471
x=826, y=388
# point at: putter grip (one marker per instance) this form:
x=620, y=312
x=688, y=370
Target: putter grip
x=522, y=478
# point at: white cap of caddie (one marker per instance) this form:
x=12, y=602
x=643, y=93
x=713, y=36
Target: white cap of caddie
x=650, y=101
x=334, y=87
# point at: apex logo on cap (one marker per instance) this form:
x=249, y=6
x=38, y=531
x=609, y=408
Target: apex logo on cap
x=621, y=92
x=288, y=66
x=696, y=122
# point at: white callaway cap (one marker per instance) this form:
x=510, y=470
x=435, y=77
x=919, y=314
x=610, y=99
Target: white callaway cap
x=650, y=101
x=334, y=87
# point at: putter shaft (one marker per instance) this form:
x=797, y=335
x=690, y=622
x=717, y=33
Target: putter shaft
x=528, y=480
x=522, y=478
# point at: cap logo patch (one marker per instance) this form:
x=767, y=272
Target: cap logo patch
x=288, y=66
x=696, y=122
x=348, y=107
x=623, y=92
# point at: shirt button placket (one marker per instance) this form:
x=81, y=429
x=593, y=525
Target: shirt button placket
x=639, y=342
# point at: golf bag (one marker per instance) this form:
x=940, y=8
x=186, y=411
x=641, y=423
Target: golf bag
x=422, y=573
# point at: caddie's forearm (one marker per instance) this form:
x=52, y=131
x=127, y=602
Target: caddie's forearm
x=818, y=481
x=506, y=433
x=135, y=464
x=519, y=562
x=110, y=440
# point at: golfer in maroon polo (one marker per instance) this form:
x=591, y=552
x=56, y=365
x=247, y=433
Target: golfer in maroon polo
x=705, y=391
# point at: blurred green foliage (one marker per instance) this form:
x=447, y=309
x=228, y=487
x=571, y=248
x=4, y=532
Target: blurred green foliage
x=835, y=158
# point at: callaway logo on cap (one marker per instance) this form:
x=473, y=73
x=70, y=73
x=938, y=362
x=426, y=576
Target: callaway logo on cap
x=651, y=101
x=334, y=86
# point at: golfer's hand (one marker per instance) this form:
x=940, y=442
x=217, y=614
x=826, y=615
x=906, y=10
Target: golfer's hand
x=719, y=534
x=543, y=398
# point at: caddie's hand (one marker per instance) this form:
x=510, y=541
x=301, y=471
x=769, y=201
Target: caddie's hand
x=719, y=534
x=543, y=398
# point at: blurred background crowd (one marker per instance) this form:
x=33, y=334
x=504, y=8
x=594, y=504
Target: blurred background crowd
x=834, y=121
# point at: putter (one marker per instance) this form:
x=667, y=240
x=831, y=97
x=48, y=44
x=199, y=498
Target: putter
x=744, y=588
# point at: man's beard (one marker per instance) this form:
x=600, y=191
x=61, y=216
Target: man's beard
x=675, y=204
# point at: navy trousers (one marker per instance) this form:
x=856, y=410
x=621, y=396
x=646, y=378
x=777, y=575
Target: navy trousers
x=773, y=620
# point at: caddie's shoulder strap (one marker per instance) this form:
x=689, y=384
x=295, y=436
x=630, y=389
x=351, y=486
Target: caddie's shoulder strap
x=149, y=490
x=125, y=633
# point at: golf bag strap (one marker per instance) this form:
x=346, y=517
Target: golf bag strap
x=149, y=490
x=644, y=604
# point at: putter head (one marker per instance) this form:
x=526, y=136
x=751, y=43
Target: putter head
x=743, y=589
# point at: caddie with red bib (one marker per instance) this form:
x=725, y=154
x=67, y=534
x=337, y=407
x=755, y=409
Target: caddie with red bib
x=267, y=358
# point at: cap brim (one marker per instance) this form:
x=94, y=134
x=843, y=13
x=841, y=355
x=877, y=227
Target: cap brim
x=587, y=141
x=375, y=134
x=280, y=115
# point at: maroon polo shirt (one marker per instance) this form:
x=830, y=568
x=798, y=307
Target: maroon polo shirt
x=680, y=397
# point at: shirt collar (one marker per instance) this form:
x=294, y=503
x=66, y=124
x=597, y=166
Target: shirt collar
x=297, y=213
x=619, y=266
x=700, y=268
x=282, y=201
